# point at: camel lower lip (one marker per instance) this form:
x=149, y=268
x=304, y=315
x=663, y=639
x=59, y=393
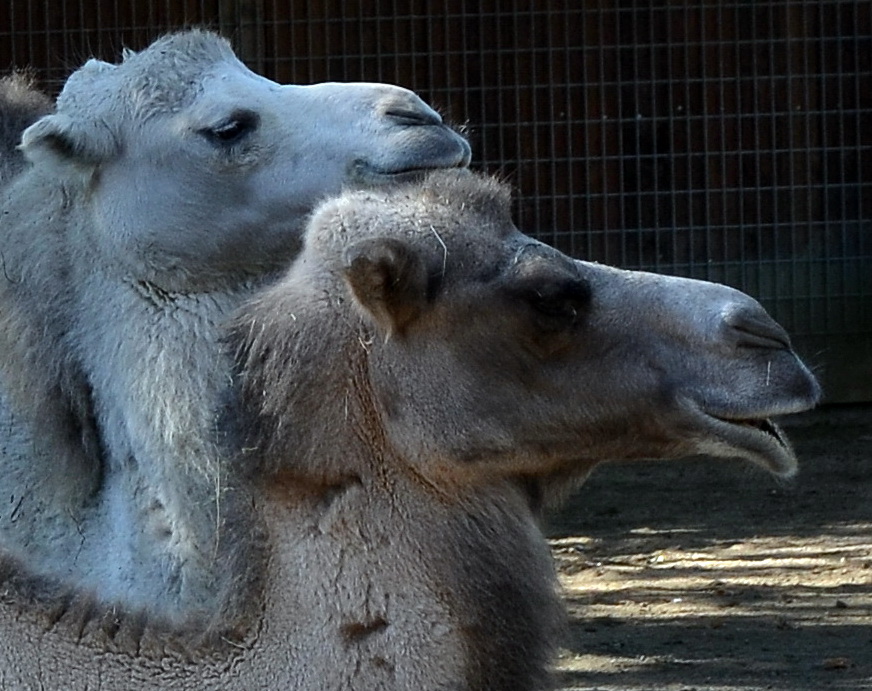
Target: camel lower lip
x=758, y=440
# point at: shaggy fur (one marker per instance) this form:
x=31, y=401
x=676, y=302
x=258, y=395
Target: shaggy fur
x=20, y=106
x=422, y=365
x=414, y=579
x=158, y=195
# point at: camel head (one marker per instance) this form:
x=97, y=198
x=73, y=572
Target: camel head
x=197, y=169
x=490, y=354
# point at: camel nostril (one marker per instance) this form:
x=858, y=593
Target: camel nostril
x=413, y=118
x=754, y=328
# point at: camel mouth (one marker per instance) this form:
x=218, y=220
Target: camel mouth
x=756, y=439
x=364, y=173
x=368, y=175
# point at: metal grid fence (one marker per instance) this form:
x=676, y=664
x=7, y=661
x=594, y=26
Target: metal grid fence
x=730, y=141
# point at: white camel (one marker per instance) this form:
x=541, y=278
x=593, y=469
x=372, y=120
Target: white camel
x=160, y=192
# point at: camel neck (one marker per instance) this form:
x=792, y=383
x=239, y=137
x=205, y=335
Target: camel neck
x=373, y=567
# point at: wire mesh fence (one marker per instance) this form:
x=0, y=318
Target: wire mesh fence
x=730, y=141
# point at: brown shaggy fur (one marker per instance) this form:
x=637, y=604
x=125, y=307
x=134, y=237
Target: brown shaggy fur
x=422, y=371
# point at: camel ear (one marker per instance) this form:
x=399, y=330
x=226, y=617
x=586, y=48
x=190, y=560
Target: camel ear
x=389, y=280
x=63, y=138
x=77, y=132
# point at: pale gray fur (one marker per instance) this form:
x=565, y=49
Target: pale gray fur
x=136, y=226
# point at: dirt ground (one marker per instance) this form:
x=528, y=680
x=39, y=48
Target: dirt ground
x=712, y=576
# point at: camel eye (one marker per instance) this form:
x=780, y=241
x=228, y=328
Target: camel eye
x=232, y=130
x=559, y=305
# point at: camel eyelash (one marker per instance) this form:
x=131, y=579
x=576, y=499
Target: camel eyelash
x=233, y=129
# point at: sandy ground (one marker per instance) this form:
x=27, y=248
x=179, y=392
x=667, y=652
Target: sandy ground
x=712, y=576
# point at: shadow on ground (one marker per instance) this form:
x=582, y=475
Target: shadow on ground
x=710, y=575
